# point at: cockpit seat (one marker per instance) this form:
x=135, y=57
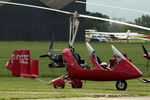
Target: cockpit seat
x=102, y=64
x=80, y=61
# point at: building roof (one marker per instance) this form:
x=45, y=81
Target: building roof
x=56, y=4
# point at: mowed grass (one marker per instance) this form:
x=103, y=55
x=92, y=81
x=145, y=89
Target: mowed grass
x=37, y=48
x=90, y=89
x=103, y=50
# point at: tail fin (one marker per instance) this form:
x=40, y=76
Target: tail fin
x=128, y=32
x=148, y=37
x=20, y=64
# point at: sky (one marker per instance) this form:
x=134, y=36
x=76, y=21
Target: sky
x=143, y=5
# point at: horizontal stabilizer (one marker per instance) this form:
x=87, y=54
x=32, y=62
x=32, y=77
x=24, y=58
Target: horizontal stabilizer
x=20, y=64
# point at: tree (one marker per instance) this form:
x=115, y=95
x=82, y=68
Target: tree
x=97, y=25
x=144, y=20
x=124, y=28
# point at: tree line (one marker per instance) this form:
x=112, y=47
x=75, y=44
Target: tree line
x=102, y=26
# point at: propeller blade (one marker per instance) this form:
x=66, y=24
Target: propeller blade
x=144, y=49
x=51, y=47
x=50, y=51
x=42, y=56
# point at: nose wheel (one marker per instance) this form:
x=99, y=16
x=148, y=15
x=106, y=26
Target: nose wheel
x=121, y=85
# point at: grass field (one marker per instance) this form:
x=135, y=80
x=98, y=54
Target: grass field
x=99, y=88
x=104, y=51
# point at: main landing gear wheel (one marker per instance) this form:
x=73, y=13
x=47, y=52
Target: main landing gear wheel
x=76, y=85
x=121, y=85
x=59, y=86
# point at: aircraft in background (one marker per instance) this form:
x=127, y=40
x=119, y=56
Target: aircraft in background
x=115, y=35
x=99, y=38
x=108, y=35
x=146, y=38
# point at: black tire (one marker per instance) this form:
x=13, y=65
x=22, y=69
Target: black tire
x=121, y=85
x=80, y=86
x=76, y=85
x=59, y=87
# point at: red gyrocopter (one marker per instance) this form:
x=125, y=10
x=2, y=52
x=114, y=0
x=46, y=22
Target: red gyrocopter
x=120, y=68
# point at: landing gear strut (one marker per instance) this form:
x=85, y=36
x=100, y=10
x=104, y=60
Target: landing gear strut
x=121, y=85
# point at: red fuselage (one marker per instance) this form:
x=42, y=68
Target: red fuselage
x=121, y=71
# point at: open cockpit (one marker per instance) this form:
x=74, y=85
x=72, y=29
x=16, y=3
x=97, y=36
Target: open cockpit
x=79, y=60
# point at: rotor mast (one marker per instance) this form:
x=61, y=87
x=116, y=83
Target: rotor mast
x=74, y=24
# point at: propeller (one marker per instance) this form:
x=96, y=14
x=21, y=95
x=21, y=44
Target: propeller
x=145, y=51
x=55, y=58
x=50, y=51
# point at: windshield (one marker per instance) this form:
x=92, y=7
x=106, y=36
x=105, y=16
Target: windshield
x=90, y=49
x=118, y=55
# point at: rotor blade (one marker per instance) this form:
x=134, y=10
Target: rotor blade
x=79, y=15
x=42, y=56
x=33, y=6
x=144, y=49
x=114, y=21
x=116, y=7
